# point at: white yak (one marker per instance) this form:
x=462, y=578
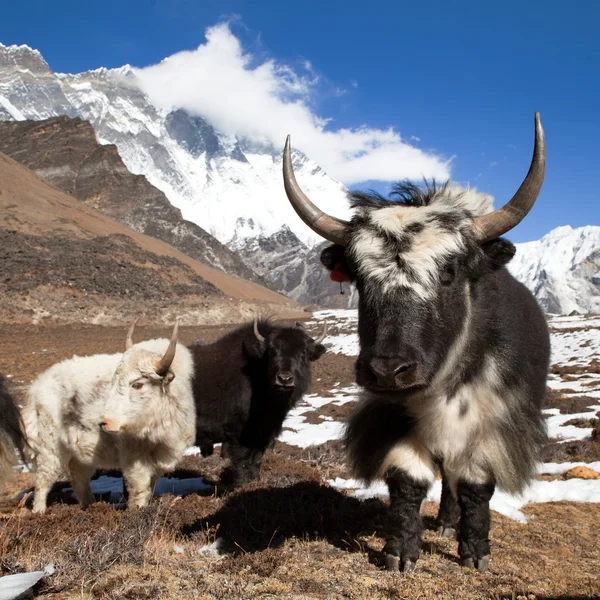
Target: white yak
x=133, y=411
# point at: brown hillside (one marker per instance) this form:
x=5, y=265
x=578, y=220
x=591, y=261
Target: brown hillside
x=64, y=152
x=62, y=259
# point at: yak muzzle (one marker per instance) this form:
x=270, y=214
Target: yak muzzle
x=389, y=374
x=109, y=426
x=285, y=379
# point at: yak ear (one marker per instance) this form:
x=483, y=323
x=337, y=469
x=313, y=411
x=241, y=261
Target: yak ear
x=334, y=260
x=316, y=352
x=498, y=253
x=332, y=256
x=168, y=376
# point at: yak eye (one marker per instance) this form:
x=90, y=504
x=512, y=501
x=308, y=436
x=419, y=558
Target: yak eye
x=447, y=276
x=137, y=385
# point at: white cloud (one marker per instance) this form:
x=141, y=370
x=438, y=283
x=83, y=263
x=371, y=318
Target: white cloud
x=265, y=101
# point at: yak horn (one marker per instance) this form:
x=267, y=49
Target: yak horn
x=323, y=334
x=162, y=366
x=257, y=334
x=129, y=340
x=330, y=228
x=497, y=223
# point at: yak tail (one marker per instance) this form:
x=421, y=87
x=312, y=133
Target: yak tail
x=13, y=443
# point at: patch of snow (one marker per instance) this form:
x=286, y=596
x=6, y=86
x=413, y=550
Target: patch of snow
x=573, y=490
x=575, y=321
x=342, y=315
x=297, y=432
x=11, y=109
x=582, y=345
x=214, y=549
x=304, y=434
x=343, y=343
x=566, y=433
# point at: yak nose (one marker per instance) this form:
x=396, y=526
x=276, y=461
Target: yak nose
x=108, y=426
x=397, y=373
x=285, y=379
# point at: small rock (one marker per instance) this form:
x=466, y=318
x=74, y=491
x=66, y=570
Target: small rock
x=581, y=473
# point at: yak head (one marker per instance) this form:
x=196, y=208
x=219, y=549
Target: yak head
x=140, y=381
x=418, y=261
x=286, y=353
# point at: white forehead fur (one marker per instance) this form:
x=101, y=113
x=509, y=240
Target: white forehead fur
x=477, y=203
x=141, y=356
x=428, y=247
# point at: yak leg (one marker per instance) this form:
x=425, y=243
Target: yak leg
x=449, y=512
x=80, y=475
x=245, y=463
x=403, y=546
x=409, y=472
x=473, y=537
x=206, y=450
x=139, y=480
x=48, y=470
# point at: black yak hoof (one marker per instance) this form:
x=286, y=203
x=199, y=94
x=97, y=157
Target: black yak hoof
x=408, y=565
x=392, y=562
x=447, y=532
x=483, y=563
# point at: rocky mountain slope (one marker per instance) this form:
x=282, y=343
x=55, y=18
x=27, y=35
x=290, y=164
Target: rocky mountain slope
x=229, y=186
x=66, y=262
x=562, y=269
x=64, y=152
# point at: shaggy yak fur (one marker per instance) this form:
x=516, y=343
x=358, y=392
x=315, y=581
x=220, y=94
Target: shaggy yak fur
x=454, y=354
x=110, y=411
x=245, y=387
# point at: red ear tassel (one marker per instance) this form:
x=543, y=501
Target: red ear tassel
x=339, y=275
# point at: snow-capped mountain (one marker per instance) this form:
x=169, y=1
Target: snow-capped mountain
x=229, y=186
x=232, y=187
x=562, y=269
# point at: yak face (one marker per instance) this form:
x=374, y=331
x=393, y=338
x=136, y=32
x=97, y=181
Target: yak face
x=416, y=264
x=286, y=353
x=135, y=390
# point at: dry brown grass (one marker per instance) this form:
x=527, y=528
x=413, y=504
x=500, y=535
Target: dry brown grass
x=290, y=536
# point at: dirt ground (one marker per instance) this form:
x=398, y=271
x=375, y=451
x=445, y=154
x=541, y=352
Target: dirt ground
x=289, y=536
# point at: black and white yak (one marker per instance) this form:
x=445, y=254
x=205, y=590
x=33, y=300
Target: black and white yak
x=12, y=440
x=454, y=352
x=245, y=384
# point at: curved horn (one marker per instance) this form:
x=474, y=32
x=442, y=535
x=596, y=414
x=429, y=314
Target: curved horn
x=257, y=334
x=163, y=365
x=129, y=340
x=497, y=223
x=330, y=228
x=323, y=334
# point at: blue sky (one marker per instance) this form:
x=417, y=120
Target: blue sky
x=463, y=77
